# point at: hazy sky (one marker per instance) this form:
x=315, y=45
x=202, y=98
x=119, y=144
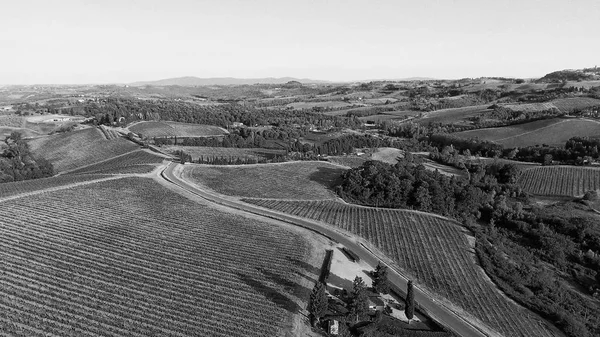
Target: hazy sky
x=108, y=41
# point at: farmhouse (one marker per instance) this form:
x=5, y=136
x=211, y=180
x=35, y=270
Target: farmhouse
x=375, y=302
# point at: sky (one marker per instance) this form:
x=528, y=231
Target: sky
x=123, y=41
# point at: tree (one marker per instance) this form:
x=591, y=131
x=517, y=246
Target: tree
x=547, y=159
x=410, y=301
x=359, y=305
x=381, y=284
x=317, y=304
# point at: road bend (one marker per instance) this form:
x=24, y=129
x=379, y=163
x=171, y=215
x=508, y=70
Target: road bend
x=437, y=311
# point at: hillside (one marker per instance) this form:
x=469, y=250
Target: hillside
x=70, y=150
x=293, y=180
x=129, y=257
x=548, y=131
x=569, y=75
x=197, y=81
x=174, y=129
x=435, y=251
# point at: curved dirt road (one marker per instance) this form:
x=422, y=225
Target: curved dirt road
x=433, y=309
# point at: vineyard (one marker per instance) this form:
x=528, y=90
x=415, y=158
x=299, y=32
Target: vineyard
x=452, y=115
x=568, y=105
x=83, y=262
x=109, y=133
x=530, y=107
x=348, y=161
x=29, y=186
x=127, y=163
x=71, y=150
x=172, y=129
x=224, y=152
x=292, y=180
x=433, y=250
x=560, y=180
x=548, y=131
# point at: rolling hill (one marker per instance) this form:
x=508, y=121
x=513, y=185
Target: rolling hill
x=548, y=131
x=197, y=81
x=67, y=151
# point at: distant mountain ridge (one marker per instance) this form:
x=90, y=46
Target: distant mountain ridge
x=197, y=81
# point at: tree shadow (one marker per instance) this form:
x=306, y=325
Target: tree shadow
x=306, y=266
x=328, y=177
x=271, y=294
x=290, y=286
x=339, y=282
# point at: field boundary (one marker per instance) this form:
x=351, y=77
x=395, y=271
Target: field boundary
x=62, y=187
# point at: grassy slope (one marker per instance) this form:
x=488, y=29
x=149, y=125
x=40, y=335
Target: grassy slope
x=74, y=149
x=130, y=257
x=434, y=251
x=294, y=180
x=170, y=129
x=549, y=131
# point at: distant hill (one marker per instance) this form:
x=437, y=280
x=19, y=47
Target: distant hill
x=571, y=75
x=196, y=81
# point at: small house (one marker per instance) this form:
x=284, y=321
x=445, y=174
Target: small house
x=375, y=302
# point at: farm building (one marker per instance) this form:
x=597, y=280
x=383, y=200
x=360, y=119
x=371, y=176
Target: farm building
x=375, y=302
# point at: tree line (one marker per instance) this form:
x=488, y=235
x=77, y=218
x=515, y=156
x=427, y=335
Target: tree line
x=18, y=163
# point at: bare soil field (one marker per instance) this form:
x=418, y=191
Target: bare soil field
x=292, y=180
x=172, y=129
x=548, y=131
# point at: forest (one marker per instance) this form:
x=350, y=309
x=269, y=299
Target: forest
x=17, y=163
x=117, y=110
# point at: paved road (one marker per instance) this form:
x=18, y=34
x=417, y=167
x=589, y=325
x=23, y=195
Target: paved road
x=435, y=310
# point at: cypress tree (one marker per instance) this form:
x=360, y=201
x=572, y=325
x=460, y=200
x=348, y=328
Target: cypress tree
x=359, y=305
x=410, y=301
x=317, y=304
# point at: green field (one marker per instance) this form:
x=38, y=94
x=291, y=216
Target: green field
x=433, y=251
x=568, y=181
x=292, y=180
x=129, y=257
x=67, y=151
x=172, y=129
x=554, y=131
